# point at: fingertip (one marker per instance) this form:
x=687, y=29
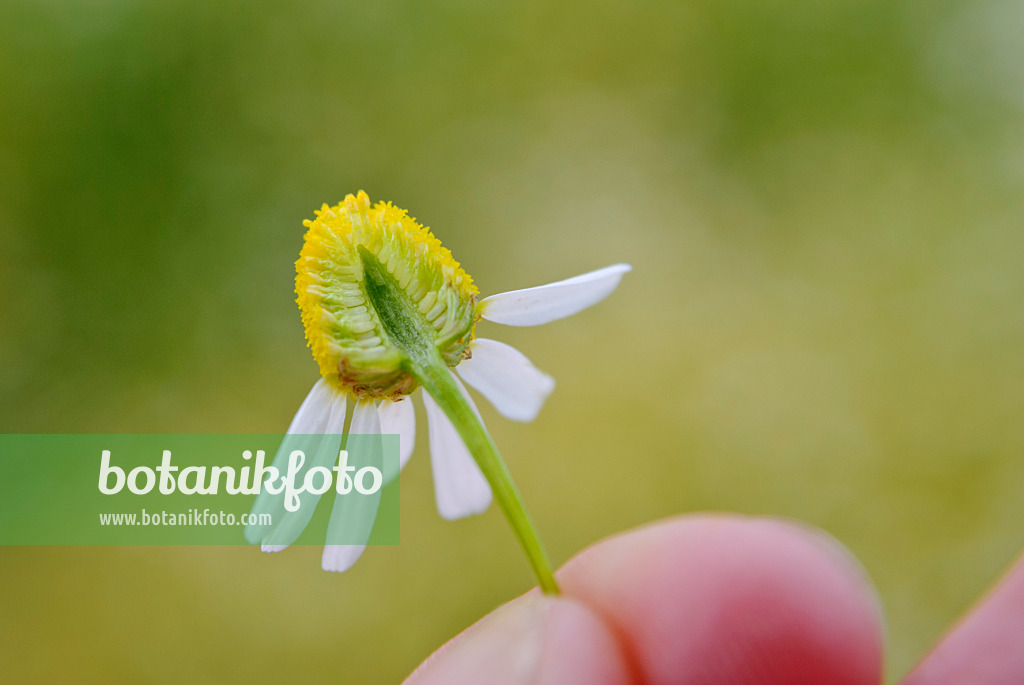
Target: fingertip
x=733, y=600
x=984, y=646
x=580, y=648
x=535, y=640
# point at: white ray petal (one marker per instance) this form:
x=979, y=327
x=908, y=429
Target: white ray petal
x=314, y=411
x=534, y=306
x=509, y=380
x=340, y=558
x=365, y=420
x=336, y=418
x=315, y=430
x=460, y=489
x=352, y=516
x=400, y=418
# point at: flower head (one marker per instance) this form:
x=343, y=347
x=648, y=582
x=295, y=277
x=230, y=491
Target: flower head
x=344, y=328
x=386, y=310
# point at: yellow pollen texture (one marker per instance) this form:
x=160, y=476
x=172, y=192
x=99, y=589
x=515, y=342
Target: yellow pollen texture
x=342, y=329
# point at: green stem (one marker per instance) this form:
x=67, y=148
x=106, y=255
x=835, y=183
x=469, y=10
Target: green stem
x=406, y=329
x=437, y=380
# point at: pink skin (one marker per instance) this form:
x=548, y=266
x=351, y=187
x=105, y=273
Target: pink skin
x=987, y=646
x=719, y=599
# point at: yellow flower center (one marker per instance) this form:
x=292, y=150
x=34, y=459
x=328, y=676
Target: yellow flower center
x=355, y=342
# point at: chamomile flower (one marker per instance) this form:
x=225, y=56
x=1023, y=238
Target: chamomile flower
x=388, y=311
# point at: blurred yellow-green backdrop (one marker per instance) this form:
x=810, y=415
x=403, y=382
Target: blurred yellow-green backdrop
x=822, y=202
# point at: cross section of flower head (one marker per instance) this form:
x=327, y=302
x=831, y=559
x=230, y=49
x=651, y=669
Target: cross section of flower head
x=389, y=314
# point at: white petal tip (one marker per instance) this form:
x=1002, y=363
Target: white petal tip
x=464, y=511
x=273, y=549
x=545, y=303
x=340, y=558
x=528, y=414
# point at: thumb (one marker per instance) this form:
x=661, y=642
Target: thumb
x=533, y=640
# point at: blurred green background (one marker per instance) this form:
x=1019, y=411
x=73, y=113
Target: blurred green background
x=822, y=201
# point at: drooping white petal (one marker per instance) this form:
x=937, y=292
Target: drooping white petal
x=336, y=419
x=400, y=418
x=460, y=489
x=314, y=410
x=316, y=431
x=504, y=375
x=365, y=420
x=534, y=306
x=340, y=558
x=353, y=515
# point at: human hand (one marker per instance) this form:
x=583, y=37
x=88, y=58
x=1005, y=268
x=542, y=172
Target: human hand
x=719, y=599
